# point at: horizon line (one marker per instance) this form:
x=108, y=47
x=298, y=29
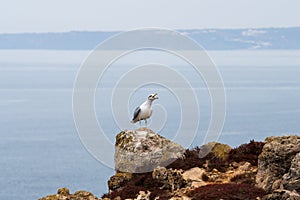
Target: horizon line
x=176, y=29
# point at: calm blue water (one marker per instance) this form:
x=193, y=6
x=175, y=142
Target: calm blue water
x=40, y=150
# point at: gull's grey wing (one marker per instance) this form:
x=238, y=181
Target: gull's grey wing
x=136, y=113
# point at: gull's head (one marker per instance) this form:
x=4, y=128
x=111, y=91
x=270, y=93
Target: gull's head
x=152, y=96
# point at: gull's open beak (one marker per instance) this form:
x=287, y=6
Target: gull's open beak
x=155, y=96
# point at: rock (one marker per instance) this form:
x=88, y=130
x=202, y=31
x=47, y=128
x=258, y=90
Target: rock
x=171, y=179
x=282, y=195
x=218, y=150
x=215, y=176
x=119, y=179
x=291, y=180
x=143, y=196
x=63, y=191
x=180, y=198
x=64, y=194
x=234, y=165
x=244, y=174
x=53, y=197
x=224, y=177
x=245, y=167
x=275, y=161
x=82, y=195
x=215, y=156
x=194, y=176
x=142, y=150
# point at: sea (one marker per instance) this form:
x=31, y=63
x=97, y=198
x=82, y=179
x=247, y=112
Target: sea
x=41, y=149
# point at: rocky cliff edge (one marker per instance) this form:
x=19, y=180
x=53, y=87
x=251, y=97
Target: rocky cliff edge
x=268, y=170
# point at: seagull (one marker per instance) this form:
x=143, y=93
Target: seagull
x=144, y=111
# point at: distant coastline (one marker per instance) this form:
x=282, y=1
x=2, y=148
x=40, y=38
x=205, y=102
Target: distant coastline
x=210, y=39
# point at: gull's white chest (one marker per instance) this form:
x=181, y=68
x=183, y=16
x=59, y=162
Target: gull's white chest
x=146, y=111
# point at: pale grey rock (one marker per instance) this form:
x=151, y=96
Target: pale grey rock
x=194, y=176
x=291, y=180
x=275, y=161
x=142, y=150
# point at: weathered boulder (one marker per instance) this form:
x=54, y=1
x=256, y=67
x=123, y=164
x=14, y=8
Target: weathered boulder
x=171, y=179
x=276, y=160
x=142, y=150
x=291, y=180
x=194, y=176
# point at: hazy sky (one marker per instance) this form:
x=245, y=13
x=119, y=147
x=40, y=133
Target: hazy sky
x=67, y=15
